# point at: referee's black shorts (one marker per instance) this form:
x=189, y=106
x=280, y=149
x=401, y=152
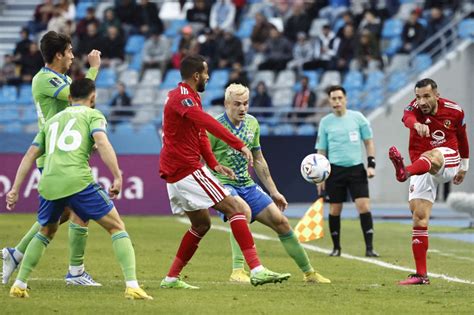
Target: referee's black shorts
x=342, y=179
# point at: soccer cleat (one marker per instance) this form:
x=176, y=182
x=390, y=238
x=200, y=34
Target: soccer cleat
x=178, y=284
x=240, y=276
x=18, y=292
x=9, y=264
x=84, y=279
x=137, y=294
x=267, y=276
x=371, y=253
x=415, y=278
x=314, y=277
x=397, y=161
x=336, y=252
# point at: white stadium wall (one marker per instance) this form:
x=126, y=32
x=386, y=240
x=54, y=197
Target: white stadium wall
x=455, y=76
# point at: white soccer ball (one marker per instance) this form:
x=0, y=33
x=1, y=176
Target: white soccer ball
x=315, y=168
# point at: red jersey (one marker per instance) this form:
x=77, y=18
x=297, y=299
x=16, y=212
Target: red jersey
x=447, y=129
x=185, y=139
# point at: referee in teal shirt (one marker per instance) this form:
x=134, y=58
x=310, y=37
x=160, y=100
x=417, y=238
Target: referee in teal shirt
x=340, y=138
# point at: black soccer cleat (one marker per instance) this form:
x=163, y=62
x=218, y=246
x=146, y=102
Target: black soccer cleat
x=371, y=253
x=336, y=252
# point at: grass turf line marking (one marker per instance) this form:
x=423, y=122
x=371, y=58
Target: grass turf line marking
x=347, y=256
x=436, y=251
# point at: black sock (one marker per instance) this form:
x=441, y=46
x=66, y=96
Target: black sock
x=367, y=226
x=335, y=229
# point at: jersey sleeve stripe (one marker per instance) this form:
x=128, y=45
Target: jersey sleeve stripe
x=59, y=90
x=36, y=144
x=97, y=130
x=256, y=148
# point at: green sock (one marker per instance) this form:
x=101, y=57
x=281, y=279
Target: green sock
x=125, y=254
x=296, y=251
x=33, y=254
x=77, y=243
x=237, y=256
x=21, y=247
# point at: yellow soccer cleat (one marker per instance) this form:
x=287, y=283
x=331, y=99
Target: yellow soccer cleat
x=239, y=276
x=18, y=292
x=314, y=277
x=137, y=294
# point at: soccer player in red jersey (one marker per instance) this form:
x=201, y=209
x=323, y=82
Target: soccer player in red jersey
x=439, y=152
x=191, y=186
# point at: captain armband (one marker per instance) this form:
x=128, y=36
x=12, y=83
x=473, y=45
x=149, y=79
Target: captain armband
x=464, y=165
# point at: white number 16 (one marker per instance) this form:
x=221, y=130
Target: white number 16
x=67, y=133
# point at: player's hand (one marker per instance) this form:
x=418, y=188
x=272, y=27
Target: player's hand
x=280, y=201
x=458, y=179
x=370, y=172
x=94, y=58
x=321, y=187
x=224, y=170
x=116, y=187
x=422, y=129
x=247, y=154
x=12, y=198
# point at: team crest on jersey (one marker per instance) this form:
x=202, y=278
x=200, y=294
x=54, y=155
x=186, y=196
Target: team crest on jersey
x=412, y=188
x=55, y=82
x=409, y=108
x=187, y=102
x=447, y=123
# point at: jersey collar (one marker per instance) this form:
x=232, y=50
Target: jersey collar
x=232, y=125
x=62, y=76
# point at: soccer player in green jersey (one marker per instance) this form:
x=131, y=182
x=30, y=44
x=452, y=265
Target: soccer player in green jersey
x=66, y=140
x=50, y=88
x=258, y=204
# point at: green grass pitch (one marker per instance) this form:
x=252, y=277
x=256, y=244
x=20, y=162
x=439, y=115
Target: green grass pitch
x=357, y=287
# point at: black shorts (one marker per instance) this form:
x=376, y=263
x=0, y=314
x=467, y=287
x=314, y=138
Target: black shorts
x=342, y=179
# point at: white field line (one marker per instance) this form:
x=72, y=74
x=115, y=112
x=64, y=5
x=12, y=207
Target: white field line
x=347, y=256
x=438, y=252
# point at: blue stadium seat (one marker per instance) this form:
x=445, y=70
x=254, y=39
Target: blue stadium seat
x=172, y=78
x=13, y=127
x=421, y=62
x=218, y=79
x=211, y=94
x=124, y=128
x=134, y=44
x=245, y=28
x=353, y=80
x=392, y=28
x=174, y=28
x=29, y=115
x=353, y=98
x=264, y=130
x=9, y=115
x=313, y=77
x=106, y=78
x=397, y=80
x=466, y=28
x=136, y=62
x=306, y=130
x=393, y=47
x=283, y=130
x=175, y=44
x=8, y=95
x=372, y=100
x=25, y=96
x=81, y=9
x=375, y=80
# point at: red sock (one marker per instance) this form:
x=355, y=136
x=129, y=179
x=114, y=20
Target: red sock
x=419, y=246
x=420, y=166
x=187, y=248
x=240, y=229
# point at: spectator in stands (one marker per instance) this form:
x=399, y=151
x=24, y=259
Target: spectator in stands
x=200, y=13
x=298, y=22
x=278, y=51
x=81, y=28
x=347, y=18
x=346, y=47
x=147, y=18
x=187, y=45
x=42, y=15
x=367, y=52
x=69, y=9
x=156, y=53
x=31, y=63
x=92, y=40
x=239, y=9
x=23, y=46
x=125, y=10
x=303, y=100
x=261, y=99
x=324, y=50
x=413, y=33
x=121, y=100
x=302, y=53
x=58, y=22
x=109, y=19
x=8, y=73
x=222, y=15
x=436, y=21
x=260, y=32
x=371, y=23
x=229, y=49
x=113, y=48
x=238, y=75
x=76, y=70
x=207, y=47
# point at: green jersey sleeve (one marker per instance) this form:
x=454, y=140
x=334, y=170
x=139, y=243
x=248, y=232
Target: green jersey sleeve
x=97, y=122
x=39, y=140
x=256, y=138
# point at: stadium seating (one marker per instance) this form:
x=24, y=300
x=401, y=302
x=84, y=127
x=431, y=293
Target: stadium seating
x=25, y=97
x=421, y=63
x=218, y=79
x=306, y=130
x=174, y=28
x=172, y=78
x=8, y=95
x=285, y=79
x=211, y=94
x=245, y=28
x=106, y=78
x=151, y=77
x=266, y=76
x=134, y=44
x=283, y=130
x=466, y=28
x=392, y=28
x=129, y=77
x=353, y=80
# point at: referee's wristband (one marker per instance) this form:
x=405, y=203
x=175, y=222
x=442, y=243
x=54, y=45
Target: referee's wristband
x=371, y=161
x=464, y=165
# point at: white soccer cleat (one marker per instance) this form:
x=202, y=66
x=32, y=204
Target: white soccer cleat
x=84, y=279
x=9, y=264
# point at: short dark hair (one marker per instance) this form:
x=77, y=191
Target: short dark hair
x=81, y=88
x=425, y=82
x=52, y=43
x=333, y=88
x=190, y=65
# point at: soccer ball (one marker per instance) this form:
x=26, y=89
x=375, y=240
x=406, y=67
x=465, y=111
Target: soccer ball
x=315, y=168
